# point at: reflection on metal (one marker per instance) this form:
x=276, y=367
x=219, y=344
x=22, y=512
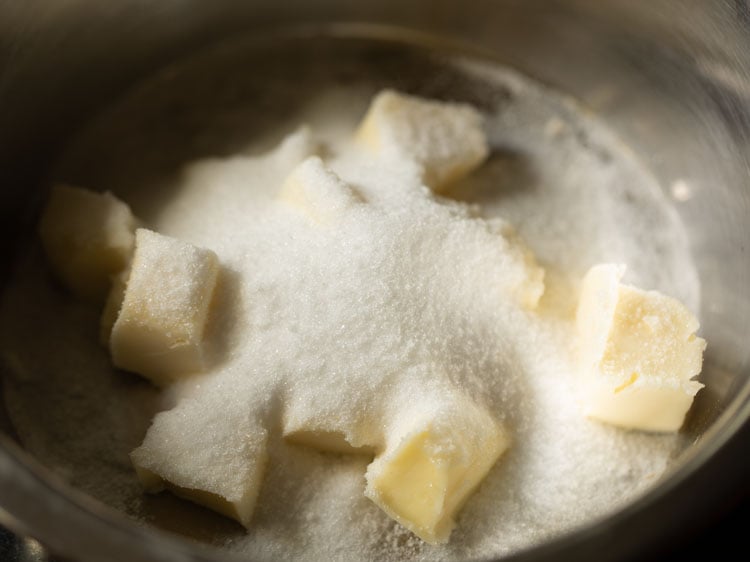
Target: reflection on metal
x=31, y=551
x=15, y=549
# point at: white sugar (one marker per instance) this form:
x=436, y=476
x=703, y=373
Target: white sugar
x=403, y=296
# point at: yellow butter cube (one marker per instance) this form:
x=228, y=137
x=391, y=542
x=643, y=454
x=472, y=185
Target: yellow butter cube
x=159, y=330
x=218, y=463
x=431, y=467
x=445, y=139
x=330, y=431
x=112, y=305
x=318, y=192
x=638, y=353
x=87, y=237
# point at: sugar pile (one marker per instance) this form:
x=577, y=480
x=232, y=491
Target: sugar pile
x=331, y=320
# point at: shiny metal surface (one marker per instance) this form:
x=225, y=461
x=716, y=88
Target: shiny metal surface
x=672, y=78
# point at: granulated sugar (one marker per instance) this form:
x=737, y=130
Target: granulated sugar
x=382, y=307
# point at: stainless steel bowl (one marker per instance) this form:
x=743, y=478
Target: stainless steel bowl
x=671, y=78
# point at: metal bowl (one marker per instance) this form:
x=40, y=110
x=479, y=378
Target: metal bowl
x=671, y=78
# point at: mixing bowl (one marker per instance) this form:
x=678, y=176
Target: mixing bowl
x=671, y=79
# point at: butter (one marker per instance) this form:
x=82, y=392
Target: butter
x=327, y=440
x=87, y=237
x=318, y=192
x=112, y=305
x=206, y=464
x=159, y=330
x=332, y=432
x=445, y=139
x=638, y=353
x=430, y=468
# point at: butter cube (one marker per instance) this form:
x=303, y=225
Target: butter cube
x=335, y=432
x=531, y=292
x=295, y=148
x=159, y=330
x=217, y=460
x=87, y=237
x=327, y=440
x=112, y=305
x=638, y=352
x=445, y=139
x=528, y=287
x=431, y=466
x=318, y=191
